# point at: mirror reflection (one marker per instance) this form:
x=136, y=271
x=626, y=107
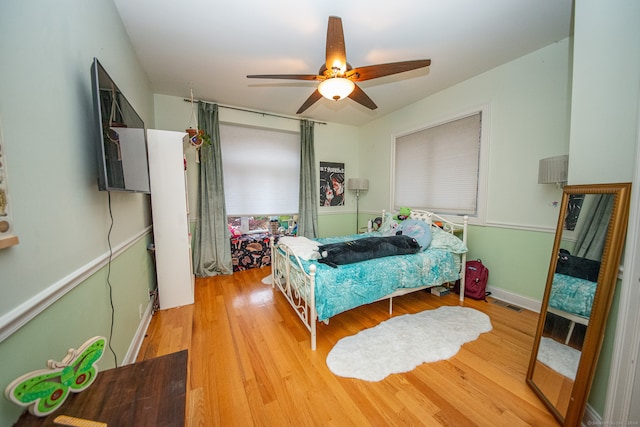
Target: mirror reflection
x=586, y=255
x=572, y=292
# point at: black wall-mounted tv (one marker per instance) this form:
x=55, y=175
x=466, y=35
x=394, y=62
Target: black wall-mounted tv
x=121, y=139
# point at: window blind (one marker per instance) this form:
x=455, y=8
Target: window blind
x=261, y=170
x=437, y=168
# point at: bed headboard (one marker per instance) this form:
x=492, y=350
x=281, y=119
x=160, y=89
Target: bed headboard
x=434, y=219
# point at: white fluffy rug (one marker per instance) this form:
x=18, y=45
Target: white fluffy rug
x=404, y=342
x=559, y=357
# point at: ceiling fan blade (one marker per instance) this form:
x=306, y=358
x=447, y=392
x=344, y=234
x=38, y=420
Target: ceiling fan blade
x=374, y=71
x=336, y=50
x=315, y=96
x=360, y=97
x=286, y=76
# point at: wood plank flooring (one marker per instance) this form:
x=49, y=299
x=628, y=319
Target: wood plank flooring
x=250, y=364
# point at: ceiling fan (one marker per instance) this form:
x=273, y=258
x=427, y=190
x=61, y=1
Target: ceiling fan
x=336, y=76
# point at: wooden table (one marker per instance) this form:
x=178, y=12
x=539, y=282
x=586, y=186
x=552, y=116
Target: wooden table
x=148, y=393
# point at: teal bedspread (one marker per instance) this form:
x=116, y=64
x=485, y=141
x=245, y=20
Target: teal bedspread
x=352, y=285
x=572, y=294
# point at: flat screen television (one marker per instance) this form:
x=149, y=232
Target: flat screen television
x=121, y=140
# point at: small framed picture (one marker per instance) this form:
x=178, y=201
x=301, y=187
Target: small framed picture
x=332, y=184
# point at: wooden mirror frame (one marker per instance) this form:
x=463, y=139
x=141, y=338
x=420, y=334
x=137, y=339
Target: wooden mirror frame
x=603, y=297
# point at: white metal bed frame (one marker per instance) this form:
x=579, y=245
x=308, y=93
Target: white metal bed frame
x=298, y=286
x=572, y=318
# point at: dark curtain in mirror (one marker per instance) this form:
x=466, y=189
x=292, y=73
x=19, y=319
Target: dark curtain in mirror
x=593, y=235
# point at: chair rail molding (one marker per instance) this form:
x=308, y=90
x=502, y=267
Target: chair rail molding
x=23, y=313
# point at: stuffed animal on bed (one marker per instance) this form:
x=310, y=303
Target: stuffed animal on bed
x=377, y=223
x=366, y=248
x=403, y=214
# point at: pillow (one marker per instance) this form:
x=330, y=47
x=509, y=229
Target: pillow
x=443, y=240
x=419, y=230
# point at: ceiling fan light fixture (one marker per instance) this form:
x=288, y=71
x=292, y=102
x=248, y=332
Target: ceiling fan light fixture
x=336, y=88
x=338, y=78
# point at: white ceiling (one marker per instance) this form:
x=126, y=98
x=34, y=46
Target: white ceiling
x=211, y=46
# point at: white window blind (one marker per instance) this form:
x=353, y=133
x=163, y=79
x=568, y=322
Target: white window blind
x=261, y=169
x=437, y=168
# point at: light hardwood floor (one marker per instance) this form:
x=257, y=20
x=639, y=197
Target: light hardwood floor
x=250, y=363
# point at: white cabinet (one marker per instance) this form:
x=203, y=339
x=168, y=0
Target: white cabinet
x=170, y=213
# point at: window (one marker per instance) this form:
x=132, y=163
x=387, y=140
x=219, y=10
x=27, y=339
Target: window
x=261, y=172
x=438, y=168
x=249, y=224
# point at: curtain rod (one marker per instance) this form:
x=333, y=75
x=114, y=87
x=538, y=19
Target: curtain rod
x=253, y=111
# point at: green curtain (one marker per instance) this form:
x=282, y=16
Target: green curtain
x=308, y=203
x=593, y=235
x=211, y=244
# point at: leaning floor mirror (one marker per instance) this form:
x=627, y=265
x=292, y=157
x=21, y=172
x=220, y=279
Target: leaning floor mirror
x=580, y=286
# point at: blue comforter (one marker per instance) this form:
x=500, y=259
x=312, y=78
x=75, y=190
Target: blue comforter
x=572, y=294
x=351, y=285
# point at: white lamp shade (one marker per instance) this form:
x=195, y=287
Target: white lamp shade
x=553, y=170
x=361, y=184
x=336, y=88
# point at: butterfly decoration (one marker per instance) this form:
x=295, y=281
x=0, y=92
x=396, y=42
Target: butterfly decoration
x=45, y=390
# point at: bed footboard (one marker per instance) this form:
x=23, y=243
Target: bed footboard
x=297, y=286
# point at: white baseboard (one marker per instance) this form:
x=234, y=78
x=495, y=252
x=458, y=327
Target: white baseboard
x=519, y=300
x=591, y=417
x=136, y=343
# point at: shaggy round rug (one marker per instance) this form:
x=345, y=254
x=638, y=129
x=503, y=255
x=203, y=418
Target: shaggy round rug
x=404, y=342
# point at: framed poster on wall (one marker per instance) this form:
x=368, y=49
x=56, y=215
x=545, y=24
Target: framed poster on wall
x=331, y=184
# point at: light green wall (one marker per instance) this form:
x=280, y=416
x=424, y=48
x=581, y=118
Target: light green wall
x=336, y=225
x=46, y=113
x=518, y=259
x=60, y=217
x=604, y=120
x=606, y=87
x=528, y=119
